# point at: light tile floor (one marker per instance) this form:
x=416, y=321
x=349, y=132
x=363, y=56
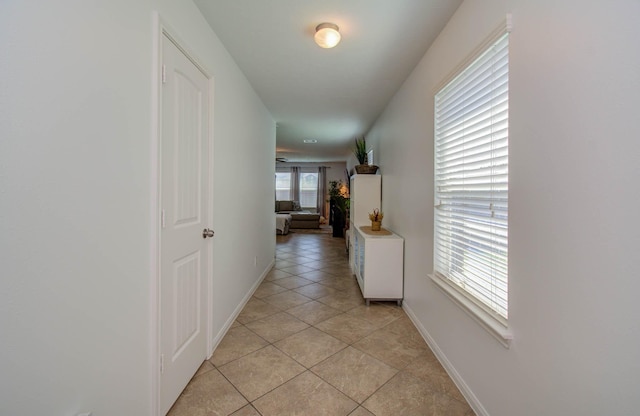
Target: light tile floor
x=306, y=344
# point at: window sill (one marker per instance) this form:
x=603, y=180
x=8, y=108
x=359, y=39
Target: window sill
x=482, y=317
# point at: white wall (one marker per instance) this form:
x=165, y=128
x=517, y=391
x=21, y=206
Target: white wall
x=574, y=232
x=75, y=205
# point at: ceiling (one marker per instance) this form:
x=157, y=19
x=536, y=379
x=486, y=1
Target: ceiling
x=328, y=95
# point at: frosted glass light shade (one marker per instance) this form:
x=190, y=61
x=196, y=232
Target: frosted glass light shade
x=327, y=35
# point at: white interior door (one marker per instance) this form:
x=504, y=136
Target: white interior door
x=184, y=253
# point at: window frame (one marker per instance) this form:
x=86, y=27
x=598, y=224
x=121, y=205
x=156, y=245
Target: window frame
x=490, y=320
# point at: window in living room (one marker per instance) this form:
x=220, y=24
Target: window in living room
x=471, y=183
x=283, y=186
x=308, y=190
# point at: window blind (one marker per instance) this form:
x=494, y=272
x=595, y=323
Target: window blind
x=308, y=190
x=471, y=180
x=283, y=186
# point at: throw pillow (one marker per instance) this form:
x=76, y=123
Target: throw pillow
x=286, y=206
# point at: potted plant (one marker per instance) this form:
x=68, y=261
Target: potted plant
x=376, y=219
x=360, y=151
x=339, y=204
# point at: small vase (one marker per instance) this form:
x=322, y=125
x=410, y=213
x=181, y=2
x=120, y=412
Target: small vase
x=375, y=225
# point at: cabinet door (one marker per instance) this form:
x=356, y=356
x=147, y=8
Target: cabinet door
x=384, y=258
x=361, y=252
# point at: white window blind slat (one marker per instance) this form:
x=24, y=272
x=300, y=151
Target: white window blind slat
x=489, y=126
x=472, y=180
x=469, y=106
x=469, y=103
x=308, y=189
x=495, y=57
x=480, y=155
x=283, y=186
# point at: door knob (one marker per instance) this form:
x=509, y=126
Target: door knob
x=207, y=233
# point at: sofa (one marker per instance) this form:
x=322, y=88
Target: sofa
x=283, y=222
x=299, y=218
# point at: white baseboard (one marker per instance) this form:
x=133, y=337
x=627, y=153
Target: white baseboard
x=225, y=328
x=455, y=376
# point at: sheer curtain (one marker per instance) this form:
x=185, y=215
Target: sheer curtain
x=322, y=191
x=295, y=183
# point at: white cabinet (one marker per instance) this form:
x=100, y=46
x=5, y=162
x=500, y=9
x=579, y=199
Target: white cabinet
x=377, y=262
x=365, y=197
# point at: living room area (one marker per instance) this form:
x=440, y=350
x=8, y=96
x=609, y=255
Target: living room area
x=302, y=195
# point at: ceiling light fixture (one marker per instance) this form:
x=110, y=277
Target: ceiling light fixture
x=310, y=141
x=327, y=35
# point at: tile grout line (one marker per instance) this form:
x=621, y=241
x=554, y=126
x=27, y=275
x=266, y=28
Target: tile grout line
x=329, y=266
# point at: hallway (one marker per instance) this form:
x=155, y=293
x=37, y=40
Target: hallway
x=306, y=344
